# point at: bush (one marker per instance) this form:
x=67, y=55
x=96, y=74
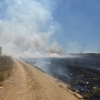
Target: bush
x=6, y=65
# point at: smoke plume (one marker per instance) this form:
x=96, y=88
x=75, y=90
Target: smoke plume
x=26, y=27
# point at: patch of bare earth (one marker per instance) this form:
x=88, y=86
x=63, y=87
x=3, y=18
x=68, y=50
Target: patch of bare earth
x=29, y=83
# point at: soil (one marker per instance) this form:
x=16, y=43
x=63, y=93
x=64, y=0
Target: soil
x=29, y=83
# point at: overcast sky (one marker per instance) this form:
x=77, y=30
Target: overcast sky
x=49, y=26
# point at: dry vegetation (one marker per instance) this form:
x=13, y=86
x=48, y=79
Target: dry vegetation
x=6, y=65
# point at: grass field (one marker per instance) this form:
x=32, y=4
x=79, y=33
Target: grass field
x=6, y=65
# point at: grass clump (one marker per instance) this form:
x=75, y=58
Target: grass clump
x=6, y=65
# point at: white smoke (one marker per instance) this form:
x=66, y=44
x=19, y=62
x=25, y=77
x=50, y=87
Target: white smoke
x=26, y=27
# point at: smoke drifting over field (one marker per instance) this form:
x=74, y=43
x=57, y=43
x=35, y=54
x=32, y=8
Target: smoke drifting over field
x=26, y=27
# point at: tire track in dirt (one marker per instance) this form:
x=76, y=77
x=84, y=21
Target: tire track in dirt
x=29, y=83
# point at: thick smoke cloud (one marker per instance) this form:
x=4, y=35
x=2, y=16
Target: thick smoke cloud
x=26, y=27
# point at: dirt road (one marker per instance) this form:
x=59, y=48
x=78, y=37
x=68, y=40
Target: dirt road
x=28, y=83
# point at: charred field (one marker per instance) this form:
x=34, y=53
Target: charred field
x=80, y=71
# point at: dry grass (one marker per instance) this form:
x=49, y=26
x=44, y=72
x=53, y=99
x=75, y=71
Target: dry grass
x=6, y=65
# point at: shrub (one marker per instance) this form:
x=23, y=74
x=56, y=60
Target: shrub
x=6, y=65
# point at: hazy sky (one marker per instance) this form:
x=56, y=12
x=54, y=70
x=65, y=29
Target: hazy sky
x=43, y=27
x=80, y=21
